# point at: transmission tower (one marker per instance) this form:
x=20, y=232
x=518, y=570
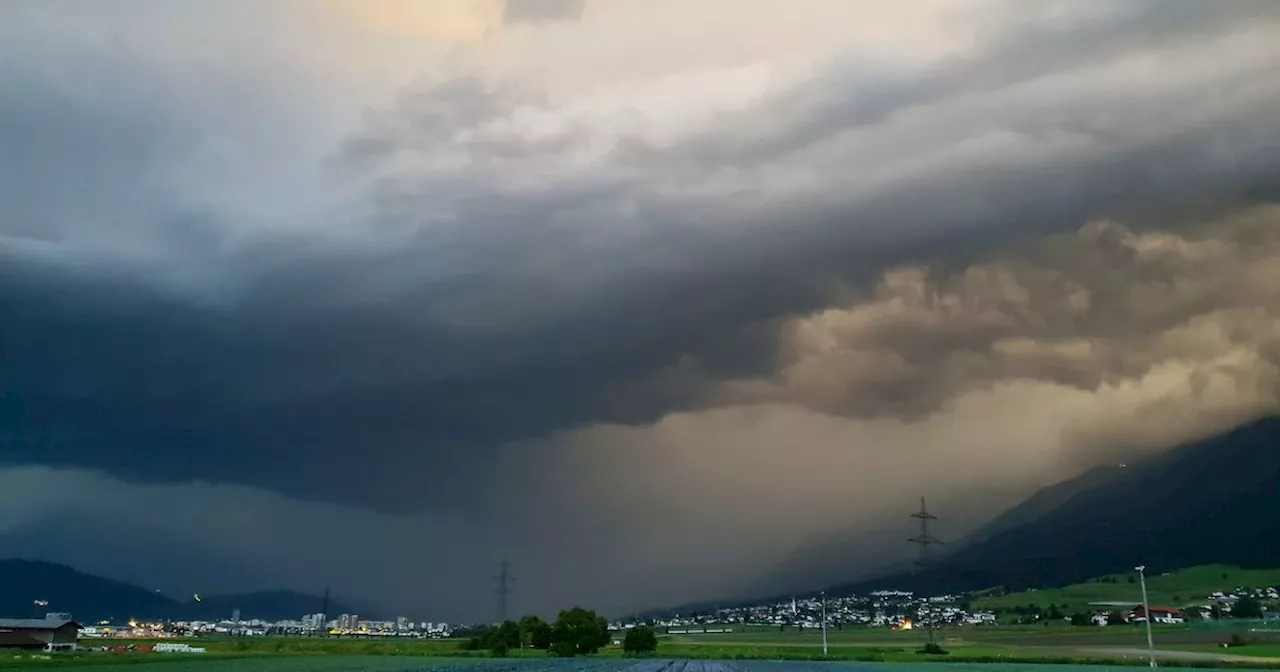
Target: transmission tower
x=925, y=540
x=504, y=580
x=324, y=611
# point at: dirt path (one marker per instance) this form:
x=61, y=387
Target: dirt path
x=1126, y=652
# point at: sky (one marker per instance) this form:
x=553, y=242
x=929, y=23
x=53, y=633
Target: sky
x=662, y=301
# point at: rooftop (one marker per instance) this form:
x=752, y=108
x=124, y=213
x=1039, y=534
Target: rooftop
x=34, y=623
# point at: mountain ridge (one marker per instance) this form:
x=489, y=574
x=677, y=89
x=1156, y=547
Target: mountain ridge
x=1203, y=502
x=91, y=598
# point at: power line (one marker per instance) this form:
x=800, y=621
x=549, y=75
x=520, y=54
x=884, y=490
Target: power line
x=504, y=580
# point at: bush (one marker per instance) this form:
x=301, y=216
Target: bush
x=499, y=649
x=934, y=649
x=639, y=641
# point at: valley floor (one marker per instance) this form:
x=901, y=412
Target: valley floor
x=1009, y=649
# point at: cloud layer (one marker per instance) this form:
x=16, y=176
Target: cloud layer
x=506, y=263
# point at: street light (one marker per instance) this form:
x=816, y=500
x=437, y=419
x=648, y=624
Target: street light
x=824, y=623
x=1146, y=612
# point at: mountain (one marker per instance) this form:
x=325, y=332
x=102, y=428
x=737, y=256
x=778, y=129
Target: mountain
x=92, y=598
x=1206, y=502
x=1042, y=503
x=87, y=597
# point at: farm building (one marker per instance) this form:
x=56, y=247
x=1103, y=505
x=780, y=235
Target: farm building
x=1160, y=615
x=53, y=633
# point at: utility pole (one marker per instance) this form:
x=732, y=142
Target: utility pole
x=824, y=624
x=1146, y=612
x=504, y=580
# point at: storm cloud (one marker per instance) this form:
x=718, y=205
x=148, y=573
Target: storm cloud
x=503, y=268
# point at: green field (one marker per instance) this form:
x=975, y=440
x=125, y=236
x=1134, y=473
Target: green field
x=1024, y=645
x=1175, y=589
x=200, y=663
x=1058, y=643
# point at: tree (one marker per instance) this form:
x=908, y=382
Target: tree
x=1247, y=607
x=506, y=635
x=578, y=632
x=1081, y=618
x=1054, y=614
x=640, y=641
x=535, y=632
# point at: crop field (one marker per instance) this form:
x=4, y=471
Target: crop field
x=399, y=664
x=763, y=649
x=1027, y=644
x=352, y=663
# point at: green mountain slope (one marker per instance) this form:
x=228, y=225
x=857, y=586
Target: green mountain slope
x=1180, y=589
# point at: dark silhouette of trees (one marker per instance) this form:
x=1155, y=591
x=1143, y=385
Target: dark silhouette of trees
x=535, y=632
x=639, y=641
x=1247, y=607
x=578, y=632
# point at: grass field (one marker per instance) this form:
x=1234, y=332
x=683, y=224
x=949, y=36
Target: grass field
x=1013, y=643
x=404, y=664
x=198, y=663
x=1024, y=645
x=1176, y=589
x=391, y=664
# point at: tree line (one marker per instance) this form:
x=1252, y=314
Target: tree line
x=575, y=632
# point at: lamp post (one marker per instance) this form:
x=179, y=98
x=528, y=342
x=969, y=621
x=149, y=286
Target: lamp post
x=824, y=623
x=1146, y=612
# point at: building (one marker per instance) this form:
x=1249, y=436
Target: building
x=56, y=632
x=1159, y=615
x=315, y=622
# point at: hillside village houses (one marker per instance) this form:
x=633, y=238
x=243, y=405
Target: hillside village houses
x=902, y=609
x=1220, y=602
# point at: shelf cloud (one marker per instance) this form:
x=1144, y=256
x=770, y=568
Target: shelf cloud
x=679, y=286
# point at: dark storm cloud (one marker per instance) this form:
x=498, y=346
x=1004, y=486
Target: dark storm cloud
x=509, y=292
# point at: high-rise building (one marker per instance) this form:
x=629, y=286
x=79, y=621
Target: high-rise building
x=314, y=622
x=403, y=624
x=349, y=622
x=235, y=615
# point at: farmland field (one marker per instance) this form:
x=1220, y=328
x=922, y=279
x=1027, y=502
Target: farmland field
x=405, y=664
x=1026, y=644
x=859, y=649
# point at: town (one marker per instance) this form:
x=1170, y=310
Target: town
x=892, y=609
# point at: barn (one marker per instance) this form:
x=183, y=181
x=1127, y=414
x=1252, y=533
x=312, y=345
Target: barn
x=54, y=633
